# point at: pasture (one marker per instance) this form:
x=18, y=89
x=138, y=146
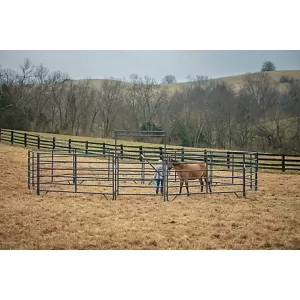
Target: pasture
x=235, y=81
x=266, y=219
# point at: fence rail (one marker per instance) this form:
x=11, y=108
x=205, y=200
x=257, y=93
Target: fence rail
x=278, y=162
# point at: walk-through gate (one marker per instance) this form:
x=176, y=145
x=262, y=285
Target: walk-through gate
x=132, y=174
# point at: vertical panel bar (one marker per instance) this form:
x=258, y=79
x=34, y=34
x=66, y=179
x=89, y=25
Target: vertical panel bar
x=251, y=171
x=38, y=175
x=28, y=169
x=117, y=175
x=108, y=166
x=244, y=176
x=206, y=180
x=232, y=169
x=256, y=170
x=73, y=166
x=32, y=163
x=75, y=172
x=211, y=167
x=52, y=166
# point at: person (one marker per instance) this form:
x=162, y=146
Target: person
x=158, y=177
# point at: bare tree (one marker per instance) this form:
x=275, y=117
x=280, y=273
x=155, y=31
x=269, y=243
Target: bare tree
x=145, y=98
x=293, y=109
x=260, y=90
x=58, y=83
x=112, y=92
x=39, y=97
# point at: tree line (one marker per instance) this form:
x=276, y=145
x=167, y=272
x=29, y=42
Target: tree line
x=257, y=115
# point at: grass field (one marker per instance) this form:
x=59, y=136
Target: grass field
x=267, y=219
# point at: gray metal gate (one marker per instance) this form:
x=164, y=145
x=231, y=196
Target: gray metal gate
x=61, y=171
x=116, y=174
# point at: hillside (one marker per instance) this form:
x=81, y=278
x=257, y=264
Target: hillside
x=235, y=81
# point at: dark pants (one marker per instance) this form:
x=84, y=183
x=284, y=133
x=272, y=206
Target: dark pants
x=159, y=183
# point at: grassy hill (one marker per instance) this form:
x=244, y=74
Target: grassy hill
x=235, y=81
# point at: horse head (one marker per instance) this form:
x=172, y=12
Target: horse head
x=171, y=162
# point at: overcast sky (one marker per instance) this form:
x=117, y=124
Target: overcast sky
x=156, y=64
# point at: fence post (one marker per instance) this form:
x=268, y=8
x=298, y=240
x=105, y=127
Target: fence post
x=283, y=162
x=160, y=152
x=38, y=142
x=86, y=147
x=228, y=160
x=0, y=134
x=70, y=145
x=141, y=153
x=12, y=137
x=205, y=156
x=182, y=154
x=25, y=140
x=121, y=151
x=103, y=149
x=53, y=142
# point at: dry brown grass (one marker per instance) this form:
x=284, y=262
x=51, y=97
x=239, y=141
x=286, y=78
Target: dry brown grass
x=267, y=219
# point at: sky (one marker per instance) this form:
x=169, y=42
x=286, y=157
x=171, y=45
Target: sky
x=81, y=64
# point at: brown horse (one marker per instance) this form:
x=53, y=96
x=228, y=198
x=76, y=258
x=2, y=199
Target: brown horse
x=190, y=171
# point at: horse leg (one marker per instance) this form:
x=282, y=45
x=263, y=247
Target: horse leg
x=208, y=183
x=181, y=184
x=187, y=187
x=201, y=183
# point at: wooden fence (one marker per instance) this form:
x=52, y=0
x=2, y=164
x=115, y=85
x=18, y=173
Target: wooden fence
x=270, y=161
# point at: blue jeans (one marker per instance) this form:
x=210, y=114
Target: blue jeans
x=159, y=183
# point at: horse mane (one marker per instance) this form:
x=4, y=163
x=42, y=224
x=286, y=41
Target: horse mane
x=174, y=161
